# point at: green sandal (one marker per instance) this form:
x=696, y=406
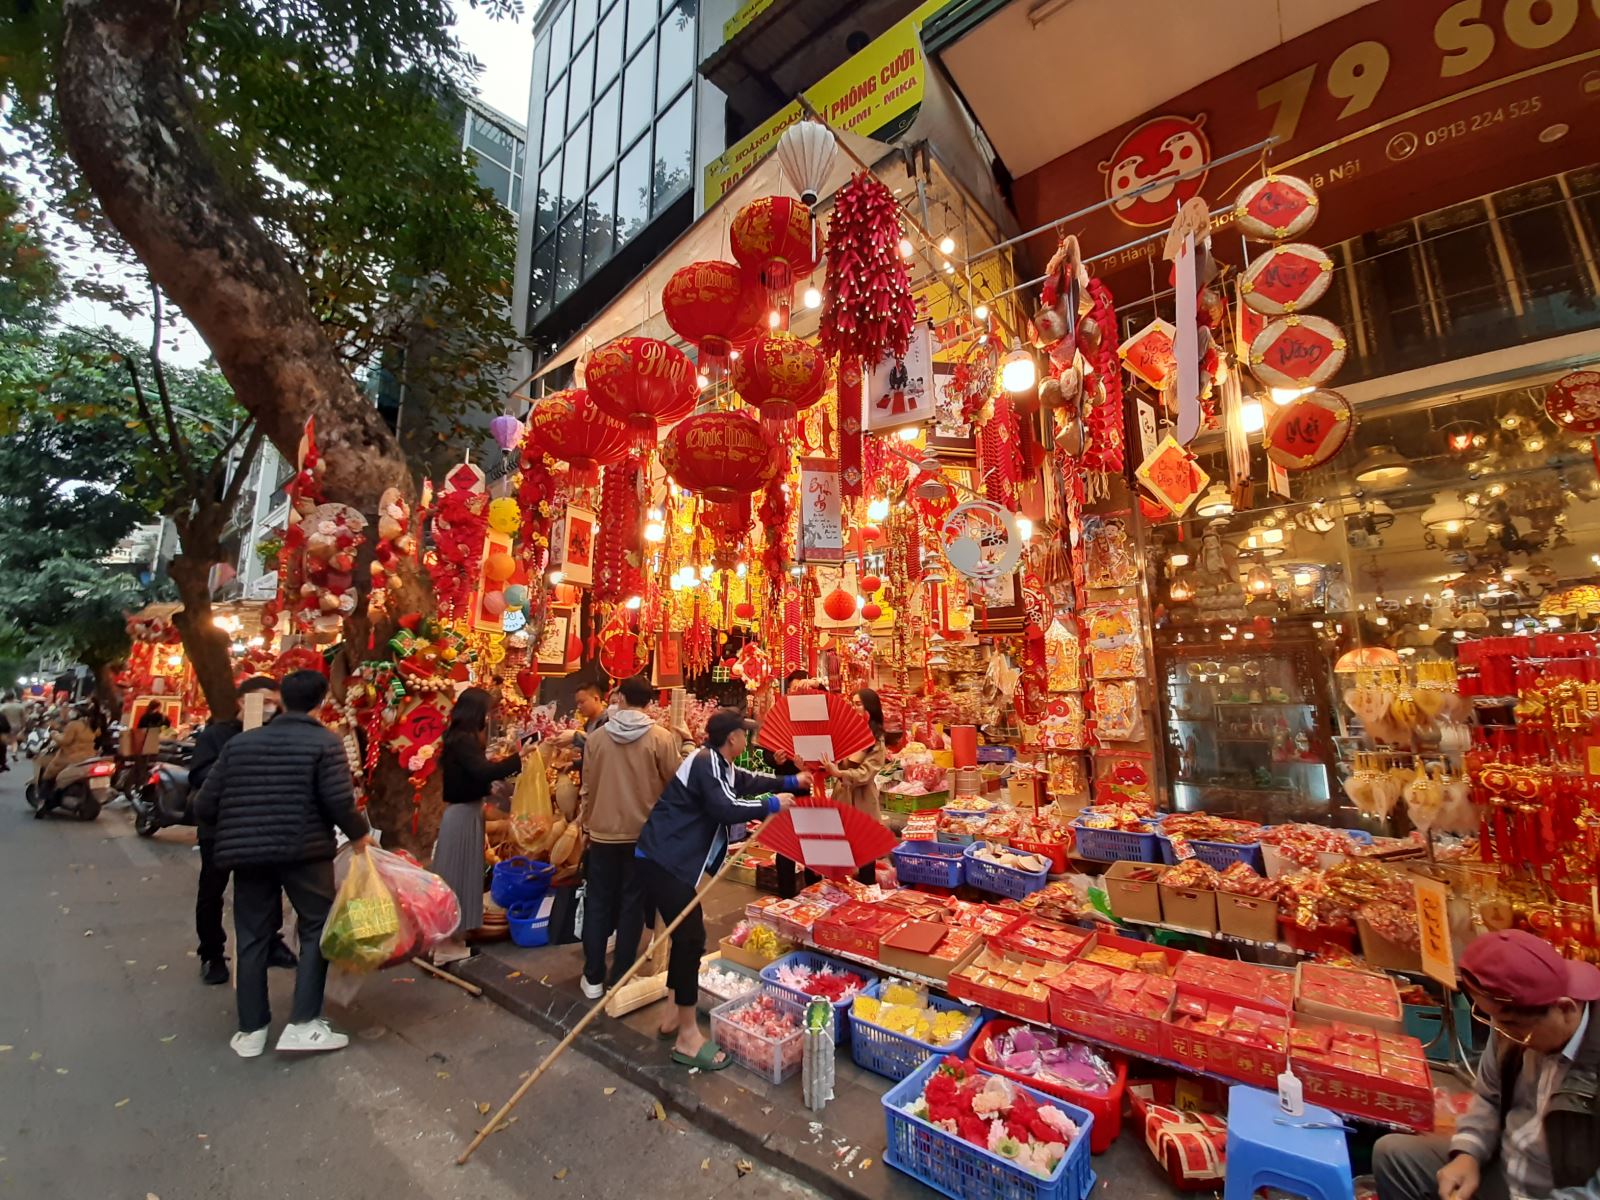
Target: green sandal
x=706, y=1060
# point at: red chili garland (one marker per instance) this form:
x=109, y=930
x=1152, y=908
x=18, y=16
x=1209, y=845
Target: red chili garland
x=1103, y=436
x=869, y=309
x=460, y=522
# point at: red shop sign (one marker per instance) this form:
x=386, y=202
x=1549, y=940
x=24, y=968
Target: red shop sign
x=1310, y=430
x=1297, y=352
x=1573, y=402
x=1286, y=279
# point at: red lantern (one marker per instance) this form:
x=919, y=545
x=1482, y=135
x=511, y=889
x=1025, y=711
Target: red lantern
x=528, y=682
x=711, y=305
x=870, y=584
x=871, y=611
x=744, y=610
x=720, y=455
x=839, y=604
x=729, y=526
x=570, y=426
x=780, y=374
x=643, y=383
x=774, y=238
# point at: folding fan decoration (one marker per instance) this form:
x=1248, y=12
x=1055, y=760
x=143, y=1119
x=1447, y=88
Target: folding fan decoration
x=826, y=837
x=814, y=728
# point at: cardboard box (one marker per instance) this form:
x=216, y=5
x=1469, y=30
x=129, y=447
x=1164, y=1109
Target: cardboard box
x=1374, y=1000
x=1350, y=1069
x=738, y=954
x=930, y=950
x=1132, y=898
x=1189, y=908
x=1380, y=952
x=1247, y=917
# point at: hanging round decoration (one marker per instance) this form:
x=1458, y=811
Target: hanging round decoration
x=981, y=540
x=643, y=383
x=1286, y=279
x=1573, y=402
x=712, y=305
x=1309, y=430
x=779, y=374
x=568, y=425
x=619, y=650
x=1275, y=208
x=1297, y=352
x=721, y=455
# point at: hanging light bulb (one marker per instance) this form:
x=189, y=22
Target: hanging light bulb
x=655, y=531
x=878, y=509
x=556, y=577
x=741, y=570
x=701, y=382
x=981, y=313
x=1024, y=528
x=908, y=433
x=706, y=571
x=906, y=248
x=813, y=297
x=774, y=319
x=1253, y=416
x=1258, y=582
x=1281, y=395
x=1019, y=372
x=948, y=267
x=947, y=244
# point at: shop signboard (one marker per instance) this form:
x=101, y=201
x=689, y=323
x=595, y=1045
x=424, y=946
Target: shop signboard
x=1433, y=922
x=1390, y=111
x=743, y=18
x=874, y=94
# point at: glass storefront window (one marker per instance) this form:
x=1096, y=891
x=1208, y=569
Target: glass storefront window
x=608, y=52
x=549, y=200
x=579, y=91
x=633, y=191
x=638, y=92
x=603, y=139
x=542, y=285
x=583, y=17
x=677, y=51
x=674, y=152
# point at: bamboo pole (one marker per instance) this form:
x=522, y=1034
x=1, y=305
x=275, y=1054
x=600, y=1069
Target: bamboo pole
x=599, y=1007
x=463, y=984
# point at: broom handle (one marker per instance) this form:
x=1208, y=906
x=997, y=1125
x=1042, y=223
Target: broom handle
x=561, y=1047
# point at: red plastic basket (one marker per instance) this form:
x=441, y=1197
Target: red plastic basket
x=1107, y=1109
x=1055, y=852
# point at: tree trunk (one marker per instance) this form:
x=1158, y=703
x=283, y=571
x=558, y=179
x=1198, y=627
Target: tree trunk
x=129, y=126
x=203, y=642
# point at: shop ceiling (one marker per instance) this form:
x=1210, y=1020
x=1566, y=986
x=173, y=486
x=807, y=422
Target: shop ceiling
x=1045, y=76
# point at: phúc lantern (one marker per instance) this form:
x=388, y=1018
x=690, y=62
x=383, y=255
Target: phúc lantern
x=644, y=383
x=712, y=305
x=568, y=425
x=773, y=239
x=779, y=374
x=721, y=456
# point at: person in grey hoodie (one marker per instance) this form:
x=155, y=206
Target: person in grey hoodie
x=627, y=764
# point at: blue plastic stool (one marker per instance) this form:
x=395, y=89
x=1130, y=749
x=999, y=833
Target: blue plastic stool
x=1314, y=1163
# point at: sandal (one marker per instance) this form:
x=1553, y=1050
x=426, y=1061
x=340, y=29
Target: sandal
x=707, y=1059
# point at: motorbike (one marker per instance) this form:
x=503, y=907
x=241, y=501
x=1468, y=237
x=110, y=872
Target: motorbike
x=164, y=798
x=81, y=789
x=34, y=743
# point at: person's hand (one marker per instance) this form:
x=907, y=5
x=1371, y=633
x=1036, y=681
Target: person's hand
x=563, y=739
x=803, y=780
x=1458, y=1179
x=827, y=768
x=361, y=844
x=785, y=800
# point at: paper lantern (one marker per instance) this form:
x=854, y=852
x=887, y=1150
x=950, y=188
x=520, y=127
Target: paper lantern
x=870, y=584
x=772, y=238
x=744, y=610
x=779, y=374
x=504, y=515
x=839, y=604
x=569, y=426
x=1366, y=658
x=528, y=682
x=642, y=382
x=805, y=154
x=722, y=456
x=494, y=603
x=871, y=611
x=499, y=566
x=517, y=596
x=712, y=305
x=507, y=431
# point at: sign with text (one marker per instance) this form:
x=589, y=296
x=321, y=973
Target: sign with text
x=1433, y=920
x=821, y=523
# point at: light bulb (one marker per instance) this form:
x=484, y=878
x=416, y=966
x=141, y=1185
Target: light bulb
x=1177, y=560
x=733, y=356
x=1024, y=528
x=947, y=244
x=981, y=313
x=1282, y=396
x=654, y=514
x=556, y=577
x=906, y=248
x=706, y=571
x=1019, y=372
x=655, y=532
x=773, y=319
x=877, y=510
x=813, y=297
x=948, y=267
x=908, y=433
x=701, y=382
x=633, y=603
x=741, y=570
x=1253, y=416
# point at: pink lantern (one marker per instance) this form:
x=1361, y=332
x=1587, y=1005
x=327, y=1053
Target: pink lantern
x=507, y=431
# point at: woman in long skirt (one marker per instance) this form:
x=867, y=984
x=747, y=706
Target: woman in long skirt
x=468, y=775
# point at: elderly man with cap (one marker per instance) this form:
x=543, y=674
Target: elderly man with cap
x=1533, y=1128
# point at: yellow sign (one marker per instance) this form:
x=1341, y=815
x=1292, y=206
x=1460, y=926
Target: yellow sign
x=1433, y=920
x=734, y=25
x=866, y=95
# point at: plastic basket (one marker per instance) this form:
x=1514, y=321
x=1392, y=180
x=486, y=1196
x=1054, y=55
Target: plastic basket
x=527, y=927
x=1219, y=855
x=1054, y=852
x=896, y=1055
x=841, y=1008
x=709, y=1000
x=519, y=881
x=932, y=864
x=1275, y=865
x=1116, y=845
x=958, y=1169
x=1004, y=881
x=1107, y=1109
x=774, y=1059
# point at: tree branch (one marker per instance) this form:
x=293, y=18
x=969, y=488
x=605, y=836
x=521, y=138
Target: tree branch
x=146, y=417
x=180, y=451
x=246, y=457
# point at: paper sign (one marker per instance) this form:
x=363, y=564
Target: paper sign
x=813, y=747
x=252, y=710
x=1433, y=921
x=900, y=391
x=807, y=708
x=577, y=552
x=827, y=852
x=821, y=524
x=817, y=822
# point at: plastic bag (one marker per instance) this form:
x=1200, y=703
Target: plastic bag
x=364, y=925
x=532, y=797
x=428, y=909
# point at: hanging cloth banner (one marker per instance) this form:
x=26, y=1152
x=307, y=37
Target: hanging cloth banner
x=900, y=390
x=821, y=520
x=1192, y=225
x=851, y=387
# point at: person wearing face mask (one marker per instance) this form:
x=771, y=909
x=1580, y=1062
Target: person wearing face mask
x=208, y=744
x=1533, y=1128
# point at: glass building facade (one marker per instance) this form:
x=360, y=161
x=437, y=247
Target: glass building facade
x=496, y=148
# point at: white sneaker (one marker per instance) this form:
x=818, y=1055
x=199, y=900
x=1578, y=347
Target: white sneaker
x=311, y=1035
x=591, y=991
x=250, y=1045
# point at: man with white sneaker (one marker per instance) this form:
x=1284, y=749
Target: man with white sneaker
x=275, y=796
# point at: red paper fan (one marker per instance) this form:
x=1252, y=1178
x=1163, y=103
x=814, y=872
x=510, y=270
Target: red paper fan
x=819, y=727
x=826, y=837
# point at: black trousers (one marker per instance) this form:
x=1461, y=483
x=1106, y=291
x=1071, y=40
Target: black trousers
x=208, y=906
x=257, y=913
x=668, y=895
x=613, y=903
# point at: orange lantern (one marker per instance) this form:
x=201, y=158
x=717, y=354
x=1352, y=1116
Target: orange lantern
x=499, y=566
x=643, y=383
x=839, y=604
x=722, y=456
x=774, y=239
x=780, y=374
x=710, y=304
x=570, y=426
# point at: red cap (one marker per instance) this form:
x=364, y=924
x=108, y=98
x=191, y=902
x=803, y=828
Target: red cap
x=1519, y=968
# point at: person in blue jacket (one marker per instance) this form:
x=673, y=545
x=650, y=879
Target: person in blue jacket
x=683, y=841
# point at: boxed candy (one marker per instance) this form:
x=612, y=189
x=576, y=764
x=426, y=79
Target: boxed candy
x=990, y=920
x=1352, y=1069
x=1227, y=980
x=1229, y=1039
x=857, y=928
x=1044, y=939
x=929, y=949
x=1125, y=1008
x=1332, y=993
x=1005, y=982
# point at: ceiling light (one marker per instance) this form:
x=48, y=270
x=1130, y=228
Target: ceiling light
x=774, y=319
x=981, y=313
x=700, y=381
x=1019, y=372
x=1510, y=421
x=1281, y=396
x=741, y=570
x=1253, y=415
x=1533, y=443
x=1382, y=464
x=633, y=603
x=1215, y=503
x=813, y=297
x=947, y=244
x=1447, y=514
x=1304, y=579
x=906, y=248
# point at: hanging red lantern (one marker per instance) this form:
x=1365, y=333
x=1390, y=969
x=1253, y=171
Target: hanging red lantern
x=721, y=456
x=870, y=584
x=712, y=305
x=643, y=383
x=780, y=374
x=839, y=604
x=528, y=683
x=570, y=426
x=871, y=611
x=744, y=610
x=773, y=238
x=729, y=525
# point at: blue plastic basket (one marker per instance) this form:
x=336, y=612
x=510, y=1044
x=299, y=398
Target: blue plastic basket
x=1116, y=845
x=841, y=1008
x=529, y=923
x=895, y=1055
x=958, y=1169
x=1005, y=881
x=1220, y=855
x=932, y=864
x=519, y=881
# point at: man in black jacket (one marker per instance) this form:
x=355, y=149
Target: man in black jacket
x=686, y=837
x=208, y=744
x=275, y=796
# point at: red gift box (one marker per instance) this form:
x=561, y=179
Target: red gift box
x=1006, y=983
x=1043, y=939
x=856, y=928
x=1235, y=1041
x=1232, y=982
x=1346, y=1077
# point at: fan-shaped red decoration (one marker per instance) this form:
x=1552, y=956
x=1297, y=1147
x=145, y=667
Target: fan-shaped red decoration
x=713, y=305
x=827, y=837
x=780, y=374
x=721, y=456
x=570, y=426
x=773, y=239
x=814, y=727
x=642, y=382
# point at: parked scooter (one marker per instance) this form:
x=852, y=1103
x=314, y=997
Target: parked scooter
x=81, y=789
x=163, y=799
